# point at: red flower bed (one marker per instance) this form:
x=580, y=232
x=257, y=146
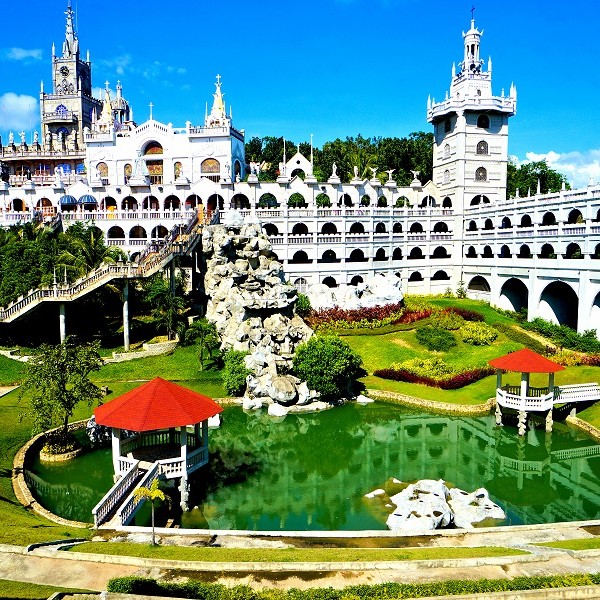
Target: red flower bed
x=466, y=314
x=321, y=317
x=458, y=381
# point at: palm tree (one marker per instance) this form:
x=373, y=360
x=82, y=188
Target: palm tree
x=151, y=493
x=208, y=339
x=167, y=306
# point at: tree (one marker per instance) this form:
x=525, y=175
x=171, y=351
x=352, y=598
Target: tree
x=235, y=372
x=328, y=365
x=208, y=339
x=525, y=178
x=167, y=306
x=151, y=493
x=58, y=379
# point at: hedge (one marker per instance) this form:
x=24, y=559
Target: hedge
x=521, y=337
x=381, y=591
x=453, y=383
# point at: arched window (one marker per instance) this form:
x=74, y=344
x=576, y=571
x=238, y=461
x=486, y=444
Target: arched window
x=415, y=276
x=329, y=256
x=505, y=252
x=547, y=251
x=397, y=254
x=446, y=176
x=487, y=252
x=61, y=109
x=357, y=228
x=573, y=251
x=127, y=169
x=575, y=216
x=296, y=200
x=447, y=203
x=300, y=229
x=329, y=229
x=506, y=224
x=356, y=255
x=440, y=276
x=115, y=233
x=416, y=228
x=210, y=165
x=380, y=228
x=489, y=224
x=481, y=174
x=472, y=226
x=380, y=255
x=397, y=228
x=525, y=221
x=483, y=121
x=356, y=280
x=415, y=253
x=440, y=252
x=330, y=282
x=270, y=229
x=548, y=219
x=471, y=253
x=447, y=151
x=300, y=257
x=177, y=170
x=440, y=227
x=524, y=251
x=482, y=147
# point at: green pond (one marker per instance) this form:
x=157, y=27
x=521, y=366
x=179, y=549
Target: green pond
x=312, y=471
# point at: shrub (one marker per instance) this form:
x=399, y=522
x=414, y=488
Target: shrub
x=465, y=313
x=451, y=383
x=328, y=365
x=478, y=334
x=447, y=320
x=435, y=338
x=434, y=368
x=522, y=337
x=367, y=317
x=303, y=307
x=234, y=372
x=564, y=336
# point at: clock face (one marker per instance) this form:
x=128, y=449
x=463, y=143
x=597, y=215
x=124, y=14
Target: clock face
x=64, y=71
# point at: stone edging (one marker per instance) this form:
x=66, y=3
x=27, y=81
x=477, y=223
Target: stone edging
x=582, y=425
x=21, y=489
x=432, y=405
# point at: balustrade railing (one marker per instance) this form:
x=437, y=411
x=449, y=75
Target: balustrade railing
x=131, y=505
x=114, y=496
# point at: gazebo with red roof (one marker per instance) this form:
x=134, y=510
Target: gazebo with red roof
x=160, y=426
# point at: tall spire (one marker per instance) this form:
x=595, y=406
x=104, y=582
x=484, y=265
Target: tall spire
x=471, y=62
x=218, y=115
x=71, y=43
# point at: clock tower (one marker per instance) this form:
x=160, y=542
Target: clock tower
x=67, y=111
x=470, y=151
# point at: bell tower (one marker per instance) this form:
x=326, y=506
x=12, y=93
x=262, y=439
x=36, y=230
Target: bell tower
x=68, y=110
x=470, y=151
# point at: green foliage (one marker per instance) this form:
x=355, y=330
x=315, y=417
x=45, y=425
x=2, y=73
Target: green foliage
x=478, y=334
x=564, y=336
x=521, y=337
x=152, y=493
x=234, y=372
x=296, y=200
x=525, y=178
x=461, y=290
x=435, y=338
x=58, y=379
x=322, y=200
x=206, y=335
x=303, y=306
x=447, y=320
x=166, y=305
x=427, y=367
x=328, y=365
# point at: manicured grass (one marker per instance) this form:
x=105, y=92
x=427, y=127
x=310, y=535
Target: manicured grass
x=31, y=591
x=578, y=544
x=11, y=371
x=287, y=555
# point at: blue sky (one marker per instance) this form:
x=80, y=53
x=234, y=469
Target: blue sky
x=333, y=68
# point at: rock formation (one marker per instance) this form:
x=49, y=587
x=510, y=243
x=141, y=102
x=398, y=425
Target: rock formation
x=253, y=310
x=429, y=504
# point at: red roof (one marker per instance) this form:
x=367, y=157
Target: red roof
x=158, y=404
x=525, y=361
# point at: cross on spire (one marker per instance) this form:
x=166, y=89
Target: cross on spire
x=106, y=84
x=151, y=106
x=473, y=13
x=218, y=80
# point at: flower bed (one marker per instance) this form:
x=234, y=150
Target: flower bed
x=453, y=382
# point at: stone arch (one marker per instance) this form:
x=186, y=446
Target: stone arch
x=380, y=255
x=129, y=203
x=300, y=257
x=575, y=216
x=356, y=280
x=300, y=229
x=573, y=251
x=329, y=256
x=416, y=228
x=240, y=201
x=397, y=254
x=487, y=252
x=526, y=221
x=357, y=228
x=479, y=199
x=45, y=206
x=215, y=202
x=152, y=147
x=415, y=253
x=365, y=200
x=322, y=200
x=506, y=223
x=380, y=228
x=524, y=251
x=296, y=200
x=483, y=122
x=471, y=252
x=479, y=284
x=472, y=226
x=415, y=276
x=115, y=233
x=440, y=227
x=440, y=252
x=346, y=200
x=160, y=232
x=505, y=252
x=397, y=228
x=172, y=202
x=447, y=202
x=137, y=232
x=547, y=251
x=135, y=257
x=357, y=255
x=514, y=295
x=382, y=201
x=151, y=202
x=594, y=321
x=267, y=200
x=488, y=224
x=192, y=202
x=559, y=304
x=330, y=282
x=548, y=219
x=440, y=276
x=108, y=203
x=329, y=229
x=270, y=229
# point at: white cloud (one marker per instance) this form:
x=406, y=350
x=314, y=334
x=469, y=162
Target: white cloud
x=18, y=112
x=578, y=167
x=21, y=54
x=118, y=64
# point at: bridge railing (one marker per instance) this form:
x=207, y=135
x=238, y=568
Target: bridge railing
x=579, y=392
x=131, y=505
x=526, y=403
x=115, y=495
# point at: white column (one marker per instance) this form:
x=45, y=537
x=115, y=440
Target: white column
x=116, y=449
x=524, y=384
x=62, y=323
x=126, y=316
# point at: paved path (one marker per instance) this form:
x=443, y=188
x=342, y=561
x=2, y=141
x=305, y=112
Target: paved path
x=92, y=572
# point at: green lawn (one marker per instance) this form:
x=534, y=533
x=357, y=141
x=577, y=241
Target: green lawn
x=11, y=371
x=577, y=544
x=30, y=591
x=289, y=554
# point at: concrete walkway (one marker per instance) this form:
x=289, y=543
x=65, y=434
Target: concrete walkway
x=89, y=571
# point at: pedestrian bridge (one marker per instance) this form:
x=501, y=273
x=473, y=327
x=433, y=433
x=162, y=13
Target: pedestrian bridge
x=543, y=399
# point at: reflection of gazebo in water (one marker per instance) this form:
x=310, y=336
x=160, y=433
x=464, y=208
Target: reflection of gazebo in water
x=525, y=398
x=159, y=430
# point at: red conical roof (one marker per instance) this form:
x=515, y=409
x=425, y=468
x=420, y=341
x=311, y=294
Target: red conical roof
x=525, y=361
x=158, y=404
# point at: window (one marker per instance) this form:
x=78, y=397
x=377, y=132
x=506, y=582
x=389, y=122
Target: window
x=482, y=147
x=61, y=109
x=446, y=176
x=483, y=121
x=447, y=151
x=481, y=174
x=447, y=126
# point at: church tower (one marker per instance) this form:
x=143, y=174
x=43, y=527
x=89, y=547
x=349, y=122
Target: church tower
x=470, y=151
x=68, y=110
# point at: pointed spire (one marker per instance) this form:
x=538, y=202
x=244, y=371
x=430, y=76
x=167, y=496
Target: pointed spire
x=489, y=64
x=218, y=115
x=53, y=50
x=42, y=86
x=429, y=102
x=87, y=57
x=71, y=44
x=453, y=70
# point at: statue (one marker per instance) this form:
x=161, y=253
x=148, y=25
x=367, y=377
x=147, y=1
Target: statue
x=355, y=172
x=140, y=168
x=11, y=139
x=373, y=172
x=415, y=174
x=389, y=172
x=334, y=170
x=22, y=136
x=36, y=139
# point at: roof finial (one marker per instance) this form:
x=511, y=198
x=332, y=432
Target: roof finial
x=472, y=16
x=151, y=107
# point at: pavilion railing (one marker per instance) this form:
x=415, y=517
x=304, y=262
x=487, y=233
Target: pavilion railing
x=114, y=496
x=197, y=458
x=526, y=403
x=131, y=505
x=148, y=439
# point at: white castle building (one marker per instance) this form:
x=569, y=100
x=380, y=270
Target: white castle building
x=136, y=182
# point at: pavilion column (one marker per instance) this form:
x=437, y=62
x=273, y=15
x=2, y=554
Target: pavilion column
x=524, y=385
x=116, y=450
x=183, y=488
x=126, y=316
x=62, y=322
